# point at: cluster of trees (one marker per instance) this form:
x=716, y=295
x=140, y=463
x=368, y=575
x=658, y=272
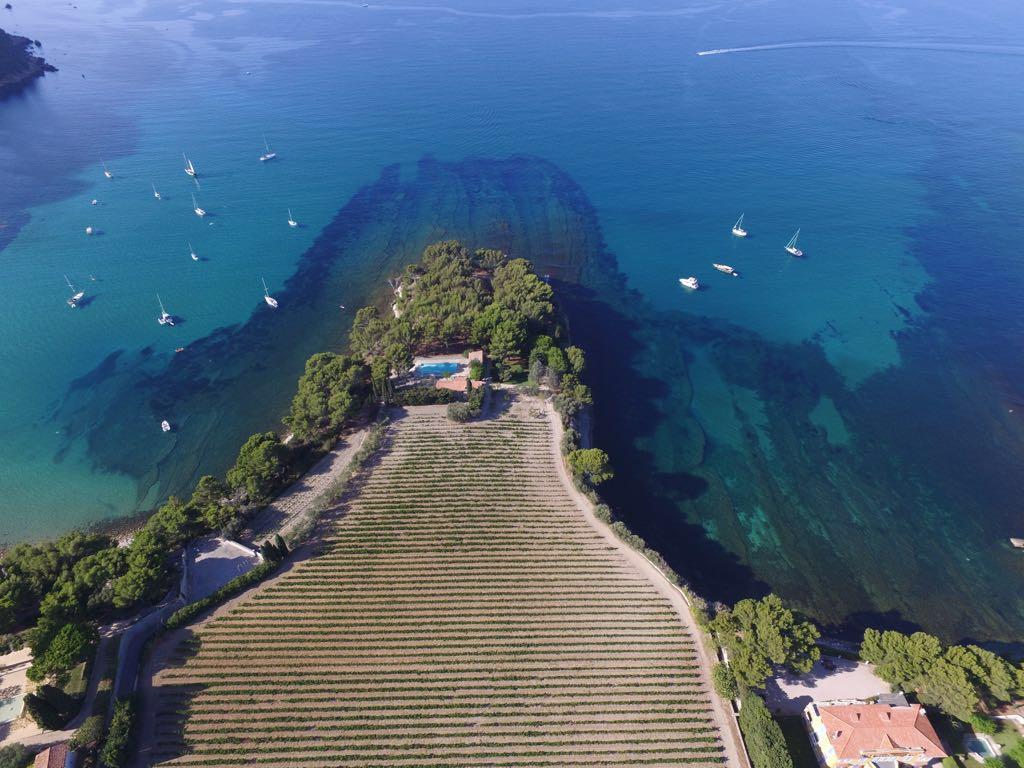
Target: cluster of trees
x=591, y=465
x=474, y=404
x=66, y=586
x=761, y=635
x=959, y=679
x=118, y=743
x=452, y=297
x=764, y=739
x=330, y=392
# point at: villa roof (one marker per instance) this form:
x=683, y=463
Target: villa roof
x=52, y=757
x=879, y=730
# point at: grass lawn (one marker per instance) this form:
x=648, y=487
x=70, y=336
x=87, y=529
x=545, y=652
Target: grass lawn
x=78, y=680
x=798, y=742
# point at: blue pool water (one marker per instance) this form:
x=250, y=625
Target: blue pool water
x=437, y=369
x=846, y=429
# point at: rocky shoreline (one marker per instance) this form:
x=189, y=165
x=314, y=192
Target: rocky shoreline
x=18, y=65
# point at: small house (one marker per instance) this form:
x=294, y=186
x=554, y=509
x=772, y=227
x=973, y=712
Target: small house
x=57, y=756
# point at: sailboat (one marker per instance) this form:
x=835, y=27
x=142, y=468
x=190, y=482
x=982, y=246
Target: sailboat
x=271, y=301
x=106, y=171
x=155, y=193
x=165, y=318
x=189, y=168
x=76, y=295
x=737, y=228
x=200, y=212
x=291, y=220
x=791, y=248
x=192, y=252
x=269, y=155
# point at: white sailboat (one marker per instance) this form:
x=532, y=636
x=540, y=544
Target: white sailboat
x=791, y=248
x=106, y=171
x=690, y=282
x=76, y=295
x=737, y=228
x=155, y=193
x=189, y=168
x=165, y=318
x=271, y=301
x=269, y=154
x=291, y=219
x=200, y=212
x=192, y=253
x=726, y=269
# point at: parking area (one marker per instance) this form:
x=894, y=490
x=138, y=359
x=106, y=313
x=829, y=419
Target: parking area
x=831, y=678
x=212, y=562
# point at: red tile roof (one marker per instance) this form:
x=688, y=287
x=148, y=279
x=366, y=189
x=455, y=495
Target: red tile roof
x=867, y=730
x=53, y=757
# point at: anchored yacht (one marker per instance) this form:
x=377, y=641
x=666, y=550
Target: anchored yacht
x=165, y=317
x=271, y=301
x=727, y=269
x=791, y=248
x=690, y=282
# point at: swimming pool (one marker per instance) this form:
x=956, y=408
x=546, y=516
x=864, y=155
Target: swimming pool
x=436, y=369
x=978, y=745
x=10, y=709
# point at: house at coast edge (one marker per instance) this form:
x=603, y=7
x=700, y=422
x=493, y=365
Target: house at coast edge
x=872, y=735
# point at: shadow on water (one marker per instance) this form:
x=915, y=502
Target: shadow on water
x=239, y=379
x=889, y=524
x=628, y=410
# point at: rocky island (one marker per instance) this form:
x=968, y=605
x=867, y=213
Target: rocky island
x=18, y=65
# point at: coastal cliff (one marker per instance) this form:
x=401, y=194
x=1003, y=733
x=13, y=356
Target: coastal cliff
x=18, y=65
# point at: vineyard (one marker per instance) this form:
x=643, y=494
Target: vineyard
x=463, y=612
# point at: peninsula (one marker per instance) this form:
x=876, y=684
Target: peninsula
x=19, y=66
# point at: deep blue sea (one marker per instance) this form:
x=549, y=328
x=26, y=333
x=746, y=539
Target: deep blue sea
x=845, y=428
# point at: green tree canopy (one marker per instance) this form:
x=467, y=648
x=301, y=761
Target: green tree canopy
x=518, y=289
x=762, y=634
x=590, y=464
x=959, y=679
x=260, y=465
x=762, y=734
x=329, y=393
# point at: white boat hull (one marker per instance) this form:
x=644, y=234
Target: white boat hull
x=271, y=301
x=739, y=232
x=690, y=283
x=794, y=251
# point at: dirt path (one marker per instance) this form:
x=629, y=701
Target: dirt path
x=724, y=719
x=287, y=509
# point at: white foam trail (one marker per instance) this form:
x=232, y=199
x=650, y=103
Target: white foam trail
x=612, y=14
x=1008, y=50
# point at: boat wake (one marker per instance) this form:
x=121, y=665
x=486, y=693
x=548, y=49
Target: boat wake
x=1005, y=50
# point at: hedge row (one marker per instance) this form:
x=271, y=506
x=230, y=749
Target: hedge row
x=183, y=616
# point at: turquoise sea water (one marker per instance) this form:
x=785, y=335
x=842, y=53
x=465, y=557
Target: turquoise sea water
x=843, y=428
